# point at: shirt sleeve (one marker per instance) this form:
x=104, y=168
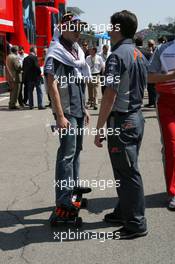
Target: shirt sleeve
x=49, y=67
x=102, y=64
x=113, y=71
x=155, y=63
x=88, y=60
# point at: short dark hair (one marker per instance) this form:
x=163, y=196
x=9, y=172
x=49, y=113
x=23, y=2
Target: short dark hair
x=14, y=49
x=95, y=49
x=32, y=49
x=21, y=48
x=84, y=43
x=162, y=39
x=106, y=46
x=139, y=41
x=128, y=23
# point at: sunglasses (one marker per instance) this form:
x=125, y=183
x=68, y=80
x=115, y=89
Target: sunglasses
x=75, y=28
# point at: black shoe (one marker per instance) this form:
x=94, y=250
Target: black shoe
x=41, y=107
x=49, y=105
x=88, y=103
x=95, y=107
x=123, y=233
x=113, y=218
x=82, y=190
x=149, y=105
x=14, y=108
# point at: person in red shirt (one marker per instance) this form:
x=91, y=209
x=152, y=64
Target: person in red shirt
x=162, y=72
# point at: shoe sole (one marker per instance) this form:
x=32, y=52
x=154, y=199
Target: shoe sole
x=171, y=208
x=114, y=222
x=131, y=236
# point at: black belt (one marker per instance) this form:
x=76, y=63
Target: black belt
x=95, y=74
x=114, y=113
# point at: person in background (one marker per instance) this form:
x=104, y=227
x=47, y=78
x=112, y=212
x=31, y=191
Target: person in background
x=151, y=46
x=21, y=54
x=121, y=108
x=104, y=55
x=22, y=100
x=85, y=48
x=162, y=73
x=13, y=69
x=96, y=65
x=45, y=83
x=151, y=86
x=139, y=45
x=32, y=78
x=8, y=48
x=44, y=55
x=147, y=52
x=162, y=40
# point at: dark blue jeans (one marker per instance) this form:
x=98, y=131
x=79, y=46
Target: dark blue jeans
x=68, y=161
x=124, y=151
x=30, y=87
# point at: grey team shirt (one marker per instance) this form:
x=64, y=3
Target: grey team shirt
x=130, y=66
x=163, y=59
x=72, y=94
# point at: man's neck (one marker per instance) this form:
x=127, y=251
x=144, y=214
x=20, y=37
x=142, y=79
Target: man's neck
x=118, y=40
x=68, y=41
x=69, y=46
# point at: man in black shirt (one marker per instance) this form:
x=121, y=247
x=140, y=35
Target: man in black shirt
x=32, y=78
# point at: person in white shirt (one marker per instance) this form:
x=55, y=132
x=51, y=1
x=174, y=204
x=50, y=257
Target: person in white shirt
x=105, y=53
x=21, y=55
x=22, y=100
x=96, y=65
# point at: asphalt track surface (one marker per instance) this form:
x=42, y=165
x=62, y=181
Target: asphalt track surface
x=27, y=162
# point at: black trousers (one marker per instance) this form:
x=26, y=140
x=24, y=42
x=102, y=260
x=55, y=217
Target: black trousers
x=151, y=94
x=124, y=151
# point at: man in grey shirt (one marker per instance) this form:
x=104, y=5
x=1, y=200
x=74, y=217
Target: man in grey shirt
x=68, y=101
x=121, y=108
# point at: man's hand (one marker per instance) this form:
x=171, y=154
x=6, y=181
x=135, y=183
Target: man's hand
x=98, y=141
x=99, y=138
x=87, y=118
x=161, y=77
x=105, y=109
x=62, y=122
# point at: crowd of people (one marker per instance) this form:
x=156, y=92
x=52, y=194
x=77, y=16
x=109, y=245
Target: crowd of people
x=23, y=75
x=138, y=67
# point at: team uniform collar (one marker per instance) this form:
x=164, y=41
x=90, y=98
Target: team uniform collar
x=121, y=42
